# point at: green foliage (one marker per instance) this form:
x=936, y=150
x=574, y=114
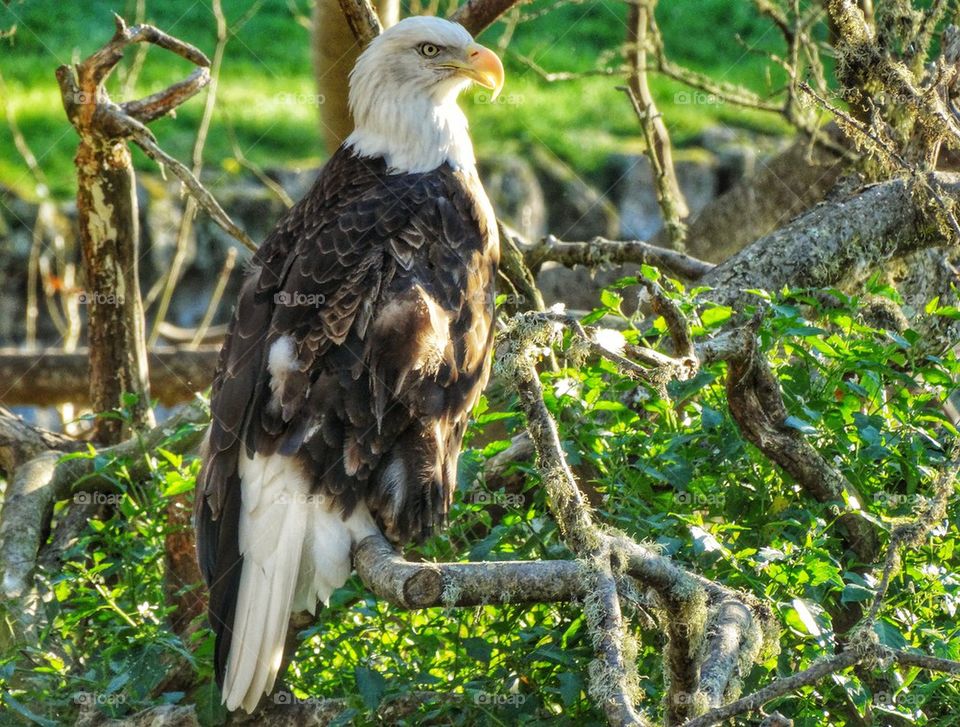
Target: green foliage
x=266, y=96
x=673, y=472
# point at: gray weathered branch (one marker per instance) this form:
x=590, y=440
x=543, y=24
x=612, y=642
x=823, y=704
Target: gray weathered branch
x=835, y=242
x=600, y=251
x=423, y=585
x=48, y=478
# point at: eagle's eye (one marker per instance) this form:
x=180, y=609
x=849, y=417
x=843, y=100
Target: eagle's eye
x=428, y=50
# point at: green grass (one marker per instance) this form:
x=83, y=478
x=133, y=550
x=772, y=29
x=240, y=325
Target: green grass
x=267, y=64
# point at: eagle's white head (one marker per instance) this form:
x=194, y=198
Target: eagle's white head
x=403, y=94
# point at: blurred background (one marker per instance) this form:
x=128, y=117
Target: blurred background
x=561, y=150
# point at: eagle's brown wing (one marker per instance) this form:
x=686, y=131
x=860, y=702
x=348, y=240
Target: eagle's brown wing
x=383, y=284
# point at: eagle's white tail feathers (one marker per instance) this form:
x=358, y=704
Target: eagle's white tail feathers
x=295, y=552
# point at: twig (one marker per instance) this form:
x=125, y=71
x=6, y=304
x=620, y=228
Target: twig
x=601, y=251
x=641, y=27
x=144, y=139
x=186, y=220
x=215, y=297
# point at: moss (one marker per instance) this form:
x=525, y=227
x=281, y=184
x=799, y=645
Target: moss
x=451, y=593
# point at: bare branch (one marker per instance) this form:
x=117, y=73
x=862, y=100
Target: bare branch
x=478, y=15
x=144, y=139
x=163, y=102
x=600, y=251
x=641, y=33
x=424, y=585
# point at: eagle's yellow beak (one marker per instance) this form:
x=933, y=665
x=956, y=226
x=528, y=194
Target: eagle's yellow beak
x=484, y=67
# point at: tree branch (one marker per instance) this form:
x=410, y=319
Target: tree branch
x=54, y=377
x=600, y=251
x=835, y=242
x=424, y=585
x=48, y=478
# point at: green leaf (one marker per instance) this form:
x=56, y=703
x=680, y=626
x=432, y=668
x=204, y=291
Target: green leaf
x=478, y=649
x=889, y=634
x=371, y=686
x=852, y=593
x=611, y=300
x=800, y=425
x=715, y=315
x=570, y=688
x=24, y=711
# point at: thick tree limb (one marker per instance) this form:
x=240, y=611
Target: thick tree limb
x=424, y=585
x=613, y=677
x=835, y=242
x=727, y=631
x=50, y=378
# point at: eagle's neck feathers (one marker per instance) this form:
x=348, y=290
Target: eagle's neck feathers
x=414, y=129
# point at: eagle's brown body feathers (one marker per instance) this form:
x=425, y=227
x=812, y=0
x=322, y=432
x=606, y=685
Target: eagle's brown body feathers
x=358, y=347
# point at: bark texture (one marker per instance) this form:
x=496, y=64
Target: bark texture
x=836, y=242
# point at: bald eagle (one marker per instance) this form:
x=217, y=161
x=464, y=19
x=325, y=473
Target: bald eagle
x=359, y=344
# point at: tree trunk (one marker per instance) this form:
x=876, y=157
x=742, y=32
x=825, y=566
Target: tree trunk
x=109, y=236
x=335, y=50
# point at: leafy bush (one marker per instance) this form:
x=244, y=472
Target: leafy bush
x=674, y=471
